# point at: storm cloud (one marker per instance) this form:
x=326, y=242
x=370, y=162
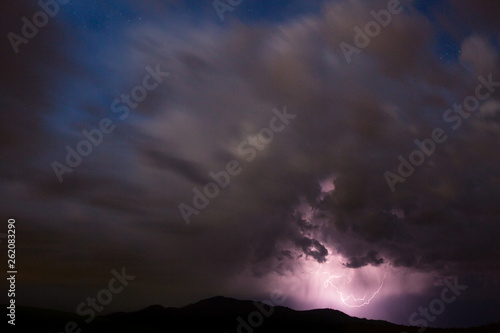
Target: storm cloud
x=120, y=207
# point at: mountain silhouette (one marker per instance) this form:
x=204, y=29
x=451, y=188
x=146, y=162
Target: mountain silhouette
x=221, y=314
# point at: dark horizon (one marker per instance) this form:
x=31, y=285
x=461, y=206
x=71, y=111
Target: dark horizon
x=224, y=313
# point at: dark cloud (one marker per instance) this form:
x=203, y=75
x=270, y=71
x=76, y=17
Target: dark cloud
x=371, y=258
x=313, y=248
x=184, y=168
x=481, y=15
x=25, y=87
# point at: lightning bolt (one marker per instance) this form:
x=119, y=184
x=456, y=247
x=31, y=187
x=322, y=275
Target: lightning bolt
x=344, y=299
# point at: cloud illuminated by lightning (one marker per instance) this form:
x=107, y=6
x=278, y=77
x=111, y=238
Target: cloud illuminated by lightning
x=357, y=287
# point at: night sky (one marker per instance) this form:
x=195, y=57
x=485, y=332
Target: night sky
x=299, y=142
